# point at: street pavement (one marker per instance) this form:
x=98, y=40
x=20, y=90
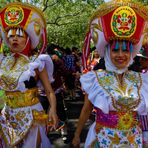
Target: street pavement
x=63, y=138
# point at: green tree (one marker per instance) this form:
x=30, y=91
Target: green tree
x=4, y=2
x=142, y=1
x=67, y=20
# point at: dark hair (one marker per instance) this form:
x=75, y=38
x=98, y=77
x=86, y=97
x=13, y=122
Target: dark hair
x=67, y=51
x=100, y=65
x=50, y=49
x=136, y=65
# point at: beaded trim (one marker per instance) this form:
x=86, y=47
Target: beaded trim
x=118, y=105
x=11, y=70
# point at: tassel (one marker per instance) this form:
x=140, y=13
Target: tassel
x=117, y=45
x=13, y=31
x=124, y=46
x=9, y=33
x=21, y=33
x=128, y=48
x=113, y=45
x=18, y=31
x=131, y=47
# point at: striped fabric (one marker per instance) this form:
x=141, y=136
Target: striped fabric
x=86, y=50
x=144, y=122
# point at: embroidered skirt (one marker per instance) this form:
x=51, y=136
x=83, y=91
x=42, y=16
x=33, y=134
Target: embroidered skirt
x=21, y=112
x=117, y=130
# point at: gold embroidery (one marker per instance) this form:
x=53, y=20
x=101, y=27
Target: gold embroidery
x=22, y=99
x=121, y=87
x=11, y=70
x=126, y=121
x=16, y=128
x=20, y=115
x=40, y=116
x=124, y=102
x=115, y=140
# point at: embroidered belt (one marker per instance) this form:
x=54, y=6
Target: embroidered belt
x=18, y=99
x=116, y=120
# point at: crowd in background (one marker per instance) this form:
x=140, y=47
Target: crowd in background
x=68, y=68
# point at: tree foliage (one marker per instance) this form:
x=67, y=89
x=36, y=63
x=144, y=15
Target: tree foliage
x=67, y=20
x=142, y=1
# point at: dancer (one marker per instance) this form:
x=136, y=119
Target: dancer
x=23, y=69
x=118, y=95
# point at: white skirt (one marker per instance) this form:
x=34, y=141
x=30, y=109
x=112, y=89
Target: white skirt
x=36, y=137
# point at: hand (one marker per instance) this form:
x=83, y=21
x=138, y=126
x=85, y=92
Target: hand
x=76, y=141
x=53, y=118
x=145, y=145
x=78, y=75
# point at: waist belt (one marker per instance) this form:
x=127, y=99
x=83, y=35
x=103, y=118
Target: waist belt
x=18, y=99
x=117, y=120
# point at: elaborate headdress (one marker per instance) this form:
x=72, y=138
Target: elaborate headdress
x=118, y=20
x=19, y=17
x=145, y=39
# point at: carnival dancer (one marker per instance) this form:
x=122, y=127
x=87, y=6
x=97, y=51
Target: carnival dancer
x=118, y=95
x=23, y=69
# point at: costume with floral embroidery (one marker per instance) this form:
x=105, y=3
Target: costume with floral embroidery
x=23, y=120
x=113, y=124
x=117, y=103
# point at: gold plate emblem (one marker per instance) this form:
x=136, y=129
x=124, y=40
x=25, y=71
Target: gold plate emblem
x=14, y=15
x=124, y=22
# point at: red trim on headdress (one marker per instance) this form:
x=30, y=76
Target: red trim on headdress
x=109, y=35
x=86, y=51
x=22, y=24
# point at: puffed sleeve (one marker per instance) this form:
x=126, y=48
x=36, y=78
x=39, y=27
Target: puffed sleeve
x=96, y=94
x=39, y=63
x=45, y=61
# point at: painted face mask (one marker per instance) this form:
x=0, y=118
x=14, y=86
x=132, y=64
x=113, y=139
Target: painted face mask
x=17, y=18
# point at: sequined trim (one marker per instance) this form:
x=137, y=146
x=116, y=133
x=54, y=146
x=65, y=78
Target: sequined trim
x=15, y=124
x=22, y=99
x=125, y=98
x=40, y=117
x=117, y=120
x=11, y=70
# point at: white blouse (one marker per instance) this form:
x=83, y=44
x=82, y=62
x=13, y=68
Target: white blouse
x=39, y=63
x=102, y=99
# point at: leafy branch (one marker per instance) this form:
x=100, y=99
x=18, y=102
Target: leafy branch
x=46, y=5
x=59, y=18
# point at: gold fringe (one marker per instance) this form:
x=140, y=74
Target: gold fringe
x=105, y=8
x=27, y=6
